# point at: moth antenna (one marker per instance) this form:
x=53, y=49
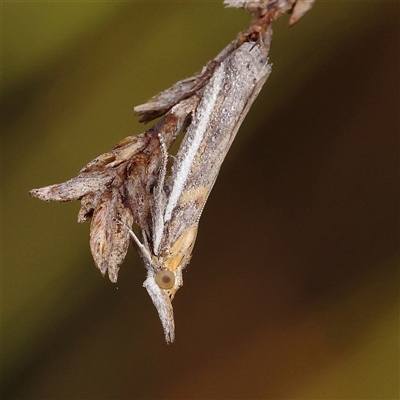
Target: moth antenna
x=158, y=203
x=164, y=153
x=145, y=239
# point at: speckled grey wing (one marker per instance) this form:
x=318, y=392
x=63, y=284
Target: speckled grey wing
x=225, y=103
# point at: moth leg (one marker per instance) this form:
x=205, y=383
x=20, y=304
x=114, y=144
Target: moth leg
x=143, y=250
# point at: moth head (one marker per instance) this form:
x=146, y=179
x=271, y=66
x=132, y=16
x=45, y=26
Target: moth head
x=162, y=296
x=165, y=279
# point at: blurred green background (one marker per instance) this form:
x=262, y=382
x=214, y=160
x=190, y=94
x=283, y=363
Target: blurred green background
x=293, y=289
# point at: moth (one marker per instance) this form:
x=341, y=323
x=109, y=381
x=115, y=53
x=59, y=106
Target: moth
x=180, y=196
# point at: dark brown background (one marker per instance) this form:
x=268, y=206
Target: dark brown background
x=292, y=292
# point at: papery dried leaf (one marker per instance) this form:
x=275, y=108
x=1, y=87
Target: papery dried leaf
x=88, y=205
x=97, y=175
x=299, y=9
x=235, y=3
x=137, y=194
x=183, y=90
x=122, y=152
x=74, y=189
x=164, y=101
x=273, y=7
x=109, y=239
x=252, y=6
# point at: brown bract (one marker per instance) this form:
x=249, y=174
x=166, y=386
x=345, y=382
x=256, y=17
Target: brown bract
x=115, y=190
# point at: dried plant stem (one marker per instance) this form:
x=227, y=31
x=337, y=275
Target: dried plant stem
x=132, y=183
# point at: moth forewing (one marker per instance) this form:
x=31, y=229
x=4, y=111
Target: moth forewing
x=224, y=103
x=184, y=109
x=226, y=98
x=178, y=255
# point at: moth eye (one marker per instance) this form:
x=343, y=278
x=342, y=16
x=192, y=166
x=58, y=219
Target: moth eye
x=165, y=279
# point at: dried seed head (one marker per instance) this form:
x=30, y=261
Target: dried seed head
x=109, y=241
x=165, y=279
